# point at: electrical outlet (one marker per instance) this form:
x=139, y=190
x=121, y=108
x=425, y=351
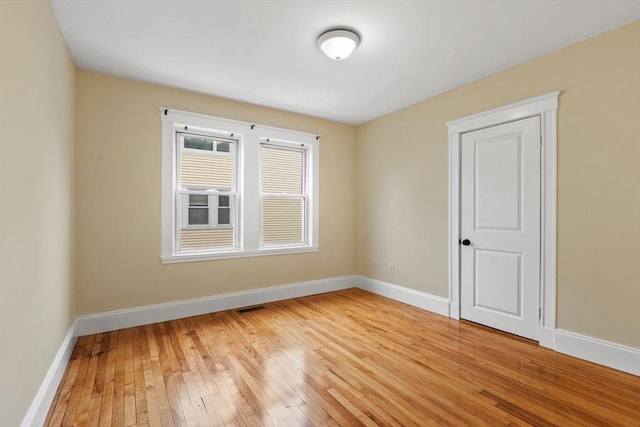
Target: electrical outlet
x=375, y=264
x=392, y=268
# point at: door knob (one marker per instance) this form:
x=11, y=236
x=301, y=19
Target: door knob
x=465, y=242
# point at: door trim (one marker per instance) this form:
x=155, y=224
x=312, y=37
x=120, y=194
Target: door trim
x=545, y=106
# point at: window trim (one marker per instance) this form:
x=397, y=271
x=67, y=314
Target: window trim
x=248, y=138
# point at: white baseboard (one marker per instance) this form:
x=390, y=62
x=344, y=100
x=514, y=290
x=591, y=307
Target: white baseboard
x=606, y=353
x=454, y=310
x=547, y=338
x=616, y=356
x=419, y=299
x=39, y=408
x=127, y=318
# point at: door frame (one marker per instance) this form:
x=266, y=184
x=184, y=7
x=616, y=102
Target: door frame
x=546, y=107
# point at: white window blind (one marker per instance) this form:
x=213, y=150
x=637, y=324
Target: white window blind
x=283, y=195
x=206, y=170
x=281, y=170
x=206, y=238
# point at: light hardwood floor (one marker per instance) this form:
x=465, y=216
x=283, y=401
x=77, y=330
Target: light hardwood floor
x=344, y=358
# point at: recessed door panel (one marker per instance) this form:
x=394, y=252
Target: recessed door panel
x=498, y=282
x=498, y=169
x=500, y=223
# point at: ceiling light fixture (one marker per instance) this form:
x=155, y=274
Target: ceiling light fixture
x=338, y=43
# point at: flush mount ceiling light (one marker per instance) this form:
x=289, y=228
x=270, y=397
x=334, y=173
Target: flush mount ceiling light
x=338, y=43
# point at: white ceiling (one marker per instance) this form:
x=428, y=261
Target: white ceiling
x=264, y=51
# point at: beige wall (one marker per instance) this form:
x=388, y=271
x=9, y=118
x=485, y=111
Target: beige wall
x=402, y=182
x=118, y=191
x=36, y=200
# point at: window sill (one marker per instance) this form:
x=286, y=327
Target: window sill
x=192, y=257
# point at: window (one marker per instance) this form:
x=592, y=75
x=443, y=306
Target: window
x=232, y=189
x=206, y=193
x=282, y=195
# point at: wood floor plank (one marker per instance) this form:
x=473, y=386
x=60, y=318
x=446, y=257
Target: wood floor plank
x=147, y=386
x=109, y=396
x=117, y=414
x=71, y=409
x=129, y=398
x=61, y=399
x=339, y=359
x=158, y=379
x=139, y=393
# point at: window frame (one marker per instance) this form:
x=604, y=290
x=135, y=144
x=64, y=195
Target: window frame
x=245, y=214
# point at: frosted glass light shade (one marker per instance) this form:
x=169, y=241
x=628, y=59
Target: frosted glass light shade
x=338, y=44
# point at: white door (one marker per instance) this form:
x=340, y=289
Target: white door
x=500, y=226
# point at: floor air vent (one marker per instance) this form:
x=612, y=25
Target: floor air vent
x=252, y=308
